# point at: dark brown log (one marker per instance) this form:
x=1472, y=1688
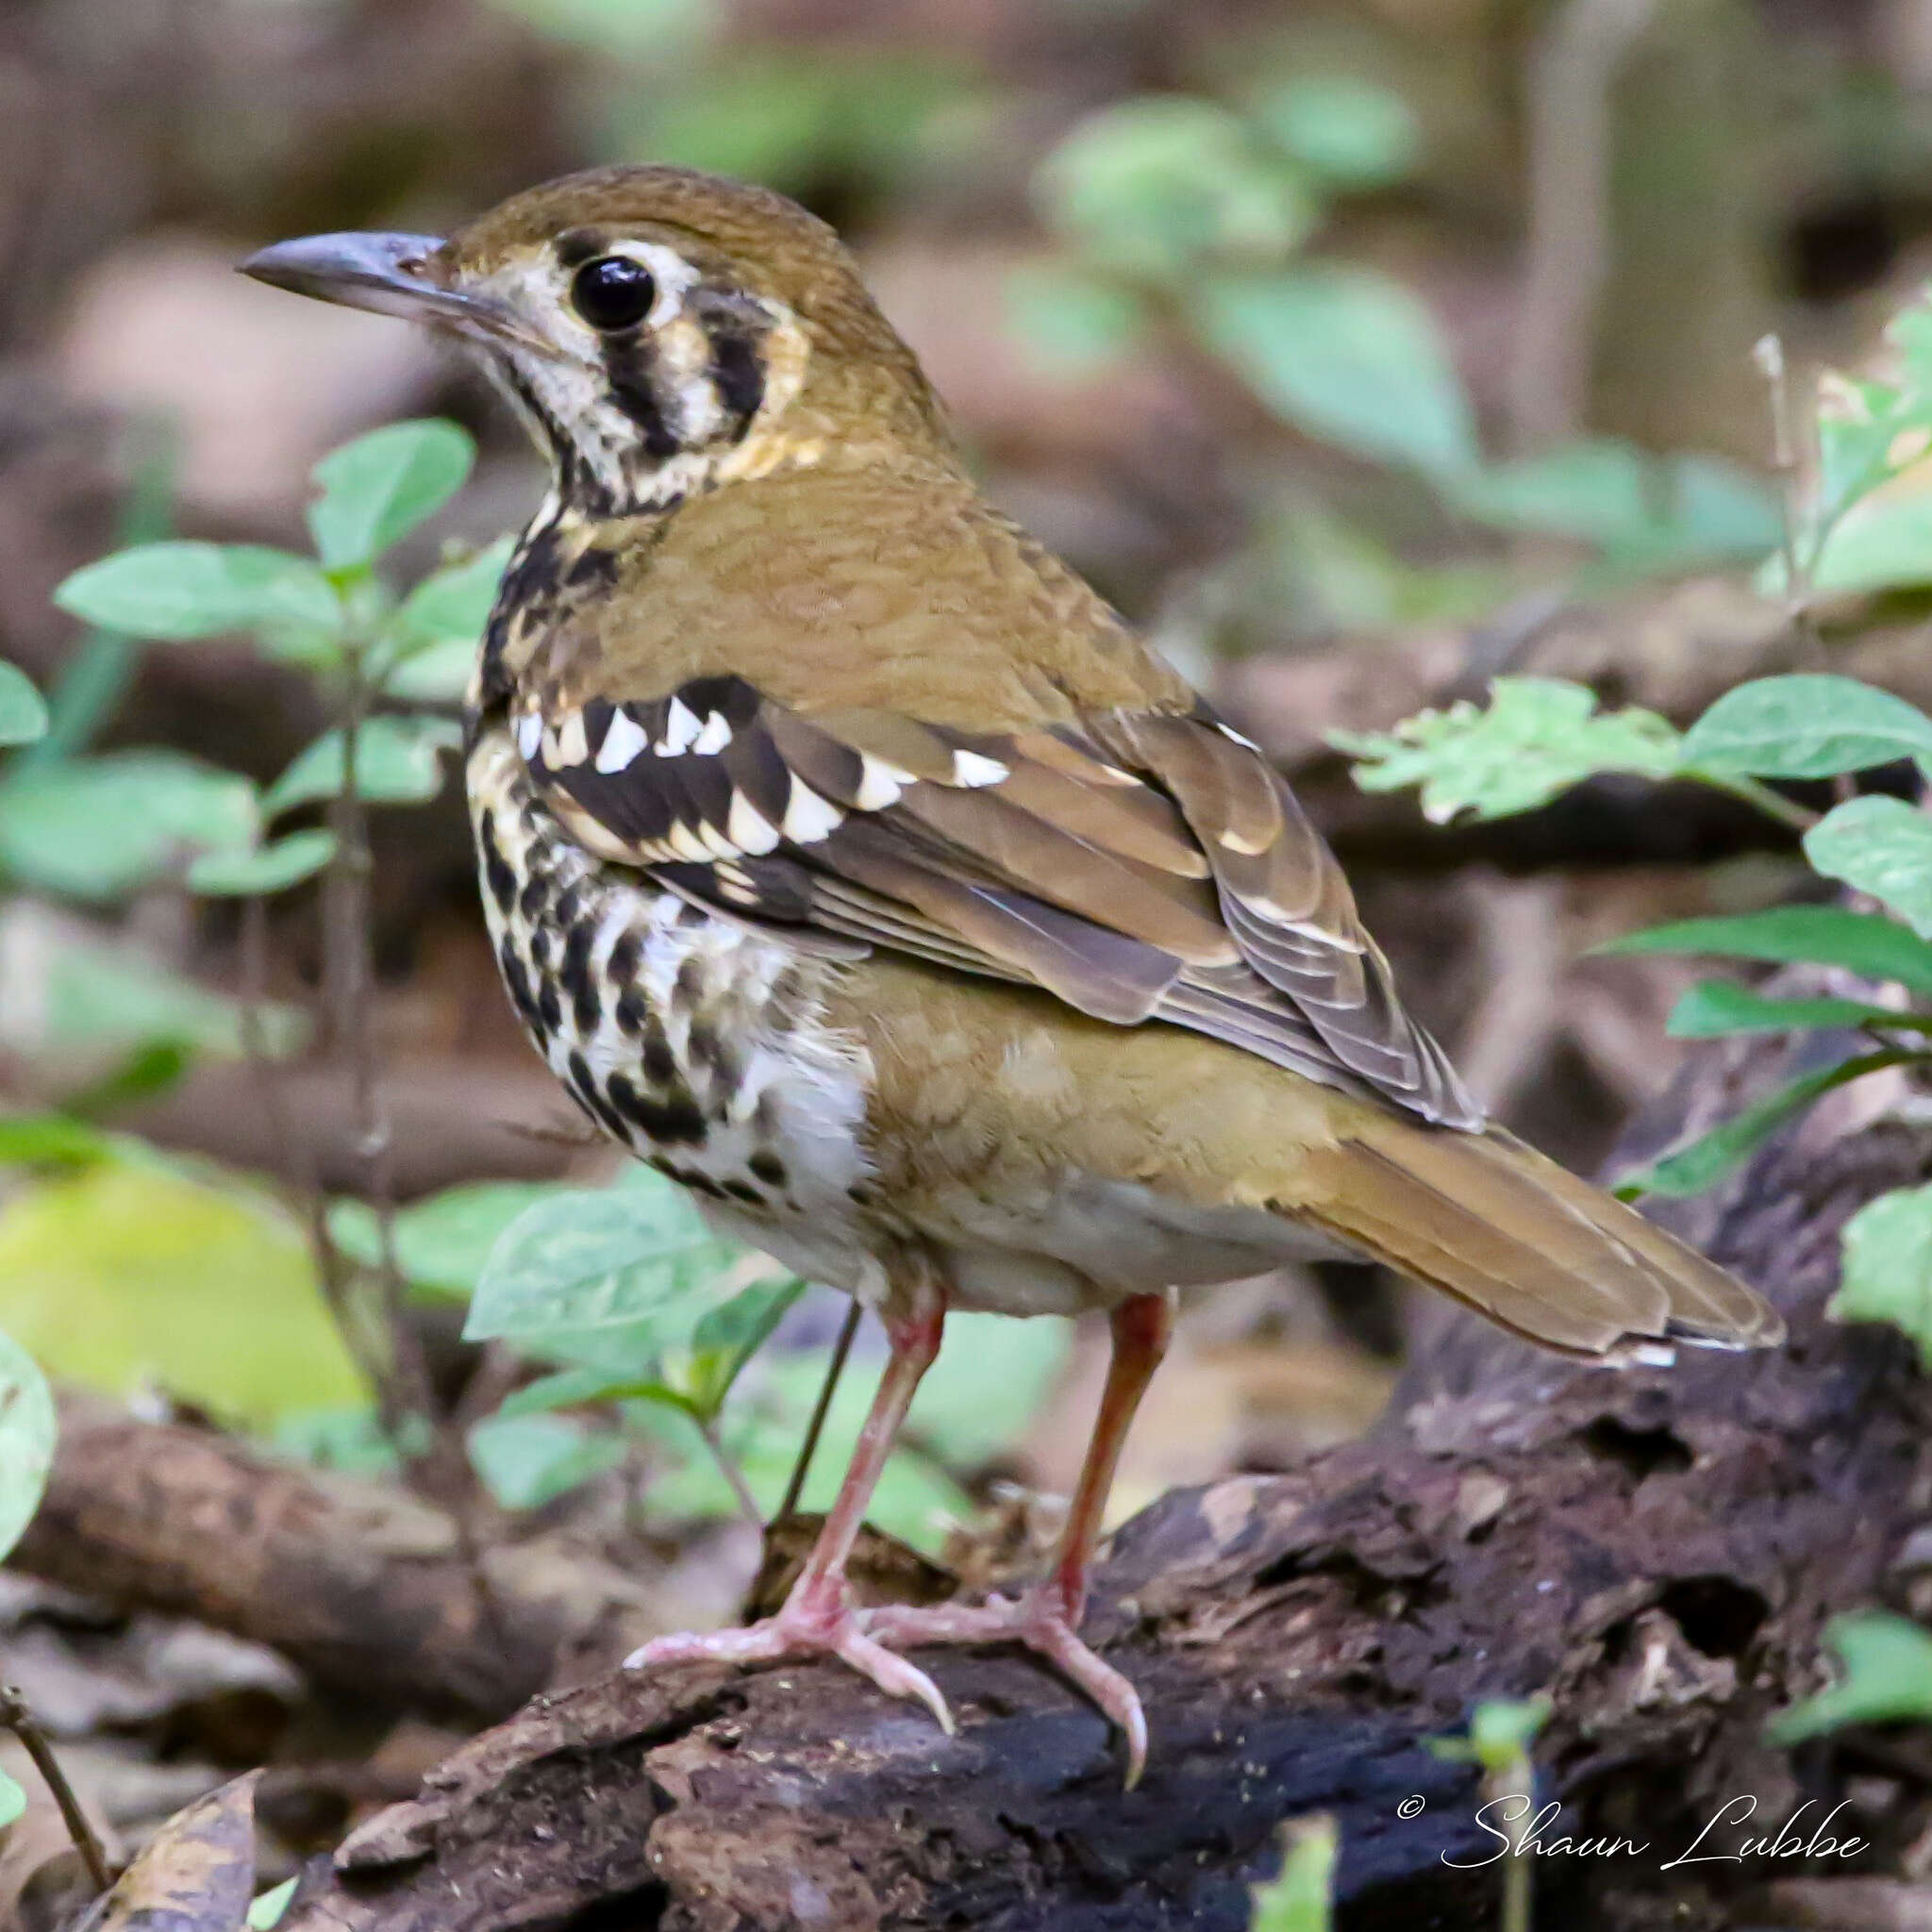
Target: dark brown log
x=1657, y=1551
x=369, y=1591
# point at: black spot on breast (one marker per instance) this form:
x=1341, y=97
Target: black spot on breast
x=518, y=981
x=539, y=948
x=707, y=1048
x=768, y=1168
x=661, y=1063
x=632, y=1013
x=549, y=1007
x=675, y=1117
x=689, y=984
x=570, y=902
x=744, y=1190
x=575, y=971
x=534, y=897
x=625, y=957
x=593, y=569
x=501, y=879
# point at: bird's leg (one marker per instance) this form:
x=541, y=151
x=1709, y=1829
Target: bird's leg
x=816, y=1617
x=1047, y=1618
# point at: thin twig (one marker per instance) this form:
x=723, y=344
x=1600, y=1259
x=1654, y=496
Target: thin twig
x=727, y=1466
x=19, y=1718
x=1797, y=545
x=1787, y=812
x=813, y=1429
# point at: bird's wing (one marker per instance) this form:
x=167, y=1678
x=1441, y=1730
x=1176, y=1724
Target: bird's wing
x=1138, y=864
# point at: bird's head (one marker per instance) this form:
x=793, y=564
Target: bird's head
x=659, y=330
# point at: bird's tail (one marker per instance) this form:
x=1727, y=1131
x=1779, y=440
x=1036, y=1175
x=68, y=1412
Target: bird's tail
x=1525, y=1242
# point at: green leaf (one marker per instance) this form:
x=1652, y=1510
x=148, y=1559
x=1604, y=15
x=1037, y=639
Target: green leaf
x=1151, y=186
x=178, y=590
x=1716, y=1008
x=265, y=1912
x=1882, y=846
x=1538, y=738
x=1887, y=1266
x=728, y=1336
x=377, y=488
x=28, y=1430
x=1867, y=944
x=267, y=869
x=579, y=1388
x=1300, y=1897
x=13, y=1801
x=1887, y=1680
x=398, y=761
x=1348, y=130
x=1075, y=324
x=442, y=1242
x=1705, y=1161
x=527, y=1460
x=152, y=1068
x=587, y=1260
x=131, y=1274
x=50, y=1140
x=23, y=710
x=1883, y=543
x=1807, y=726
x=453, y=603
x=1347, y=354
x=988, y=1383
x=100, y=827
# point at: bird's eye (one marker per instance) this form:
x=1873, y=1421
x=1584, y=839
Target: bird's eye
x=612, y=293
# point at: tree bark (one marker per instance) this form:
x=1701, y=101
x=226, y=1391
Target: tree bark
x=1655, y=1551
x=375, y=1594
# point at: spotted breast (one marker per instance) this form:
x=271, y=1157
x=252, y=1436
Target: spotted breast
x=701, y=1045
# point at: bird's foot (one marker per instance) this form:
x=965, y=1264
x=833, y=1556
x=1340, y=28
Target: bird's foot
x=1041, y=1620
x=816, y=1626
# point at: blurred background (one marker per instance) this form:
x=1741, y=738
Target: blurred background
x=1359, y=351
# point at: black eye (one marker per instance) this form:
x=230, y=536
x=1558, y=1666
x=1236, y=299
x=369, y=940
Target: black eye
x=612, y=293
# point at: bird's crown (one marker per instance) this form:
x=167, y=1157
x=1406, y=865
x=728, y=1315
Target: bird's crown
x=659, y=330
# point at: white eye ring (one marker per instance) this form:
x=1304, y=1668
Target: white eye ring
x=673, y=275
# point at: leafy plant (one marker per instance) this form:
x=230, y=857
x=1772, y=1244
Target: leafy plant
x=1298, y=1899
x=27, y=1458
x=1886, y=1678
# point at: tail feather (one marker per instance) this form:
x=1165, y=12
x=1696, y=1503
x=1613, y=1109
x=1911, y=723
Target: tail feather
x=1526, y=1244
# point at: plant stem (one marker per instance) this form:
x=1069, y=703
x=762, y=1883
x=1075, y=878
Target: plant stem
x=727, y=1465
x=813, y=1429
x=1787, y=812
x=20, y=1719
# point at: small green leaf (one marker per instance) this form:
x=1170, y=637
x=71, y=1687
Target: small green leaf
x=267, y=869
x=1714, y=1008
x=1502, y=1729
x=265, y=1912
x=1347, y=354
x=1538, y=738
x=1300, y=1898
x=398, y=761
x=23, y=710
x=1705, y=1161
x=1881, y=846
x=527, y=1460
x=579, y=1388
x=1887, y=1680
x=28, y=1430
x=49, y=1140
x=1867, y=944
x=455, y=601
x=1883, y=543
x=1075, y=324
x=178, y=590
x=1348, y=130
x=1887, y=1266
x=152, y=1068
x=13, y=1801
x=377, y=488
x=587, y=1260
x=1807, y=726
x=728, y=1335
x=99, y=827
x=444, y=1242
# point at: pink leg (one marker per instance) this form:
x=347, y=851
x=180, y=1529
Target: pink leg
x=816, y=1617
x=1047, y=1618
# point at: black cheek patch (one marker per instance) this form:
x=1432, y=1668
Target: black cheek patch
x=629, y=365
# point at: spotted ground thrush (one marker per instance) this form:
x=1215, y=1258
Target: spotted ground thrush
x=852, y=862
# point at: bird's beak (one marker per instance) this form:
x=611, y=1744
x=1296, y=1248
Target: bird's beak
x=394, y=275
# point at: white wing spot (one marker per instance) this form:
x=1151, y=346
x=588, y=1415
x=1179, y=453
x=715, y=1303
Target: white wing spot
x=970, y=769
x=748, y=829
x=680, y=726
x=714, y=737
x=809, y=818
x=567, y=744
x=686, y=844
x=879, y=784
x=622, y=743
x=530, y=735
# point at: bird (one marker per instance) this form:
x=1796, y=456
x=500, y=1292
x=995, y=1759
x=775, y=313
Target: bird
x=853, y=862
